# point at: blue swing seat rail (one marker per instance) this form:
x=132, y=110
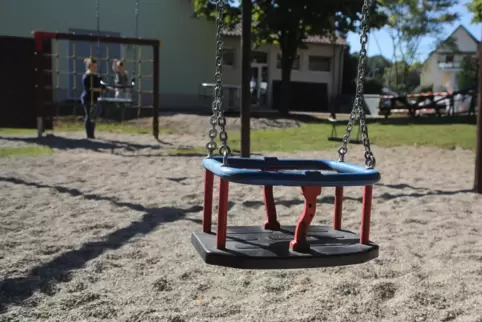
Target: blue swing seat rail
x=256, y=171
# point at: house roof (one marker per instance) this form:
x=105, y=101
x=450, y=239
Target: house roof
x=450, y=36
x=319, y=40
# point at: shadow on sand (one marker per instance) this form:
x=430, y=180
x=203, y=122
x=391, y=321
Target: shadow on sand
x=43, y=277
x=64, y=143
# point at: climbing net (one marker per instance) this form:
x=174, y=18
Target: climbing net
x=60, y=68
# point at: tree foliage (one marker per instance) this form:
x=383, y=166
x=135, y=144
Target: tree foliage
x=288, y=23
x=469, y=73
x=415, y=18
x=408, y=22
x=376, y=66
x=350, y=64
x=381, y=73
x=375, y=69
x=402, y=77
x=476, y=8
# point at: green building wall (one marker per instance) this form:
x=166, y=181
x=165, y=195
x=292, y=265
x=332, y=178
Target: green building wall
x=188, y=44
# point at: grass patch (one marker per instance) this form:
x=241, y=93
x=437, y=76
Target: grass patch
x=312, y=137
x=76, y=125
x=187, y=152
x=12, y=131
x=28, y=151
x=103, y=127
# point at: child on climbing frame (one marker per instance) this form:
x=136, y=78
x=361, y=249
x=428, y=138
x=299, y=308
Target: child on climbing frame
x=92, y=89
x=121, y=79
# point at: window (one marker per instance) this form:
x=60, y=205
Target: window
x=319, y=63
x=296, y=62
x=259, y=57
x=449, y=58
x=229, y=57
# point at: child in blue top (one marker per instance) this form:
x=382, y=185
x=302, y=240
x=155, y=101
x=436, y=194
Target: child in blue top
x=92, y=90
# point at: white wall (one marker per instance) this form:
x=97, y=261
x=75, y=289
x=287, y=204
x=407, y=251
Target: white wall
x=432, y=74
x=462, y=40
x=187, y=54
x=232, y=75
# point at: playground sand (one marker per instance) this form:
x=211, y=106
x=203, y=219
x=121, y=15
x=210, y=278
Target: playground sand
x=101, y=232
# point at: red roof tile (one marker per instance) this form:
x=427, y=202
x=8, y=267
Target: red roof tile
x=237, y=31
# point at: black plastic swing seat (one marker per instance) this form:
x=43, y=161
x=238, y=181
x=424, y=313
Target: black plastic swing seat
x=123, y=86
x=133, y=84
x=268, y=172
x=257, y=248
x=337, y=139
x=115, y=100
x=338, y=122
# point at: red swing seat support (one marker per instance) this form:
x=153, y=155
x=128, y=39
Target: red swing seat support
x=274, y=246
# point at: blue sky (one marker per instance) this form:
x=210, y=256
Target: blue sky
x=427, y=44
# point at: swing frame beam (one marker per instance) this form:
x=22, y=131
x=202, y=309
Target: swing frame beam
x=41, y=37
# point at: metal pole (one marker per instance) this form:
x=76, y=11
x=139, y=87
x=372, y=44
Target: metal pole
x=155, y=81
x=478, y=153
x=245, y=79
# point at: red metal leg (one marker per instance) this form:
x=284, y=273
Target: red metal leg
x=272, y=220
x=208, y=201
x=338, y=208
x=366, y=212
x=222, y=214
x=300, y=244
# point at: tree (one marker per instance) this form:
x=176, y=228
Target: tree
x=376, y=66
x=350, y=64
x=476, y=8
x=411, y=20
x=373, y=86
x=375, y=69
x=407, y=81
x=469, y=73
x=288, y=23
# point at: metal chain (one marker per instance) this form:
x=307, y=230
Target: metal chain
x=97, y=16
x=136, y=15
x=357, y=111
x=136, y=78
x=218, y=118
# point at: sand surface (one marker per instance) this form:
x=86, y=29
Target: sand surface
x=100, y=231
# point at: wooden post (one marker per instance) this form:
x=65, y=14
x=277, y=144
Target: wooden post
x=478, y=152
x=156, y=84
x=245, y=79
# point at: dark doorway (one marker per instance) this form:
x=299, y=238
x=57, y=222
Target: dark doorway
x=17, y=83
x=19, y=104
x=305, y=97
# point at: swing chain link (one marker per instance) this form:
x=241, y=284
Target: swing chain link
x=357, y=111
x=136, y=14
x=218, y=118
x=97, y=17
